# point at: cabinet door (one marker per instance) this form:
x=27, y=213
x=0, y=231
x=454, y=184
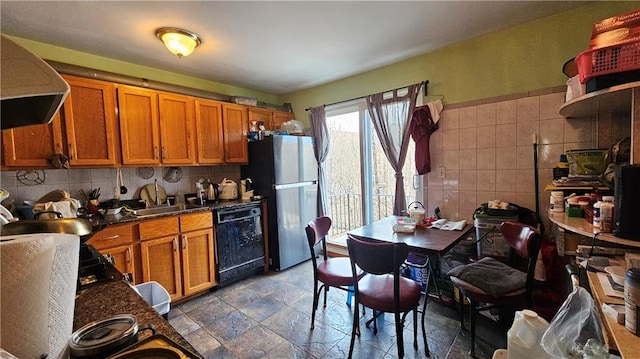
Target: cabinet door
x=234, y=119
x=279, y=118
x=176, y=129
x=31, y=146
x=209, y=132
x=123, y=259
x=260, y=114
x=161, y=263
x=139, y=133
x=89, y=122
x=198, y=261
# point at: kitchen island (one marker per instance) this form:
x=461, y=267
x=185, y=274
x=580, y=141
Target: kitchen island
x=108, y=299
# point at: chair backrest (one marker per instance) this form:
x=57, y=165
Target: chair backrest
x=317, y=230
x=525, y=242
x=377, y=257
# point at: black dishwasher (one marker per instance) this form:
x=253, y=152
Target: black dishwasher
x=239, y=242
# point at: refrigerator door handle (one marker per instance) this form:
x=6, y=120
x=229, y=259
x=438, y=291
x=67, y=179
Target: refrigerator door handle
x=294, y=185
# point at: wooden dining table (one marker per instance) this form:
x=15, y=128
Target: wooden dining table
x=431, y=242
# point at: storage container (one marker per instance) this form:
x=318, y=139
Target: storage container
x=155, y=294
x=493, y=243
x=608, y=60
x=587, y=162
x=523, y=338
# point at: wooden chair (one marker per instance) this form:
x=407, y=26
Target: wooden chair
x=492, y=282
x=383, y=289
x=331, y=272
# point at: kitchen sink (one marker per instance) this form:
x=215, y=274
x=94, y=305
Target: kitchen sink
x=159, y=210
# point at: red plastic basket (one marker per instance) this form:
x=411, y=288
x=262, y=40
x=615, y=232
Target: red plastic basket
x=608, y=60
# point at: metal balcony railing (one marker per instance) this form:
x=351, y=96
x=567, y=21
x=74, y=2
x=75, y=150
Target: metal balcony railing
x=346, y=213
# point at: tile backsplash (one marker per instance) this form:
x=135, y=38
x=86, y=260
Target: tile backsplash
x=72, y=180
x=487, y=150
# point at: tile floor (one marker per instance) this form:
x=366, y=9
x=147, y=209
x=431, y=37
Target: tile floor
x=268, y=316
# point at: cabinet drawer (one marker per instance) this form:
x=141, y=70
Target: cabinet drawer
x=154, y=228
x=112, y=236
x=190, y=222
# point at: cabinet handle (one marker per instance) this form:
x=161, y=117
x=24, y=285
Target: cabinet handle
x=175, y=244
x=71, y=151
x=110, y=238
x=127, y=256
x=164, y=153
x=155, y=152
x=184, y=241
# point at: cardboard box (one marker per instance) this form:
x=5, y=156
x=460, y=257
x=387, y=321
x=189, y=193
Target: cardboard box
x=616, y=30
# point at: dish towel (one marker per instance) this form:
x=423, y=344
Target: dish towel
x=68, y=207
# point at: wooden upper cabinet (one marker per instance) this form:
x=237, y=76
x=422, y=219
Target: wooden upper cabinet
x=279, y=118
x=235, y=126
x=89, y=114
x=139, y=126
x=31, y=146
x=209, y=132
x=176, y=129
x=260, y=114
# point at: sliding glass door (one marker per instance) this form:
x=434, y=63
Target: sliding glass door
x=361, y=181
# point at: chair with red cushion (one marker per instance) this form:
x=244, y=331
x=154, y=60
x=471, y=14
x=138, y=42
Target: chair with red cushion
x=383, y=289
x=331, y=271
x=492, y=282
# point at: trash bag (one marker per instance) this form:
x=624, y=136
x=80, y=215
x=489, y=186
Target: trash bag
x=575, y=331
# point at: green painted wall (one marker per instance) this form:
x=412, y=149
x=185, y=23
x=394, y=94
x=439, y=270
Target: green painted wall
x=518, y=59
x=64, y=55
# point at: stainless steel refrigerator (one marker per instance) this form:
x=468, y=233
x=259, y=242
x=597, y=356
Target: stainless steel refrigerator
x=284, y=170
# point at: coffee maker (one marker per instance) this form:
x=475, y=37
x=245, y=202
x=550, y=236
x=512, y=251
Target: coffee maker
x=246, y=189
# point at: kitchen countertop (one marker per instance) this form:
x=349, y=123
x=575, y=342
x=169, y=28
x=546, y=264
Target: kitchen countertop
x=115, y=297
x=127, y=217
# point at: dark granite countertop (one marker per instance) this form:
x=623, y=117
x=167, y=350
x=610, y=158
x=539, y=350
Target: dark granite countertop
x=105, y=300
x=127, y=217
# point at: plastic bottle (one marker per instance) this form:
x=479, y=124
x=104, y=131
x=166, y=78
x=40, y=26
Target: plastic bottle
x=556, y=201
x=596, y=214
x=606, y=214
x=523, y=338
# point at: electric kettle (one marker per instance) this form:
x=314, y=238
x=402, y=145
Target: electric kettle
x=213, y=192
x=228, y=189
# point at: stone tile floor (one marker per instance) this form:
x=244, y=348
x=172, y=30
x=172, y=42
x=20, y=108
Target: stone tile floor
x=269, y=316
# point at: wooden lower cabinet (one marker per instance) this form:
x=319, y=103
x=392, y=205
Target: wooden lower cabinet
x=118, y=242
x=178, y=253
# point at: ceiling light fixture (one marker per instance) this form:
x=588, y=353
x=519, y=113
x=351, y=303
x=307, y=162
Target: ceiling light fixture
x=180, y=42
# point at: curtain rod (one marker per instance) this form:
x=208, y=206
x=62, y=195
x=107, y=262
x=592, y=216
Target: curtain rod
x=423, y=83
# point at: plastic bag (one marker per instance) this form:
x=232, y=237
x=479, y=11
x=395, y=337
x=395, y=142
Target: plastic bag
x=575, y=331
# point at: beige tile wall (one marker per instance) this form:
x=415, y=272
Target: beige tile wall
x=487, y=151
x=73, y=180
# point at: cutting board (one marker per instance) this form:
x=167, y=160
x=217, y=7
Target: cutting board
x=148, y=193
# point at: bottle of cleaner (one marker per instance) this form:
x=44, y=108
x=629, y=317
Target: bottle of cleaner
x=523, y=338
x=606, y=214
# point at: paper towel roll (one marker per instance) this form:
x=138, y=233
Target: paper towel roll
x=38, y=276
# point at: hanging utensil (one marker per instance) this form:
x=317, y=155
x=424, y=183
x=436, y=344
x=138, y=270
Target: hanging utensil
x=123, y=188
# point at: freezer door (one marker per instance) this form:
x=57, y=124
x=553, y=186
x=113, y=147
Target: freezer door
x=308, y=163
x=286, y=159
x=296, y=206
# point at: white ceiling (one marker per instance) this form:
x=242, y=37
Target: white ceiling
x=271, y=46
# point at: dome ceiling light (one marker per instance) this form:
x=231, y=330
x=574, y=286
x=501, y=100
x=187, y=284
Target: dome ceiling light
x=180, y=42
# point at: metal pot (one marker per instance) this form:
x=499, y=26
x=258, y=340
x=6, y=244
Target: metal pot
x=78, y=226
x=416, y=213
x=102, y=338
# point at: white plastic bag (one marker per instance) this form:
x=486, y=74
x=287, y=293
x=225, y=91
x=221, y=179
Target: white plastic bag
x=575, y=331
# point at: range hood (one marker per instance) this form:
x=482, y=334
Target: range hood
x=31, y=91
